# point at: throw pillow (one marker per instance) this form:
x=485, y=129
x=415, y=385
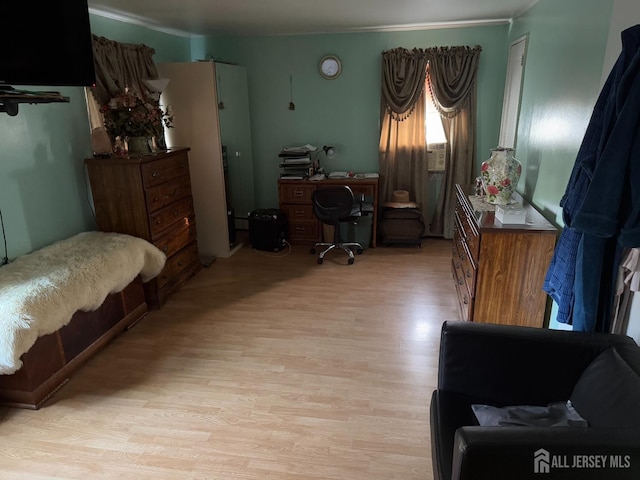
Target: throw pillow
x=607, y=393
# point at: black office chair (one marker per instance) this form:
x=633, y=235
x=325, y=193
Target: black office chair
x=333, y=205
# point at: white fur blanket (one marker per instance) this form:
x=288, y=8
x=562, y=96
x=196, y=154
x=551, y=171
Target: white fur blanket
x=40, y=291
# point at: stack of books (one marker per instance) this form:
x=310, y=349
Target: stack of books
x=296, y=162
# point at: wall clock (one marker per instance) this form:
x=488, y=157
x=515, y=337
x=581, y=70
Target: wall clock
x=330, y=67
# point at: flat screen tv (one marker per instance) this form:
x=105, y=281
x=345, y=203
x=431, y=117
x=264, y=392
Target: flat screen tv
x=46, y=43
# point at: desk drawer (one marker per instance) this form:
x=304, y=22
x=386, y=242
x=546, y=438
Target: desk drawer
x=296, y=213
x=305, y=231
x=296, y=193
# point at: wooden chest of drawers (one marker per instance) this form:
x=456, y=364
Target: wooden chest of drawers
x=499, y=269
x=149, y=196
x=295, y=201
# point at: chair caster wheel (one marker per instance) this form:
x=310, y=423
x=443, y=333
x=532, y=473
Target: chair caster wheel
x=350, y=261
x=312, y=250
x=359, y=251
x=320, y=261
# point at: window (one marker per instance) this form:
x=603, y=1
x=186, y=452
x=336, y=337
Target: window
x=434, y=131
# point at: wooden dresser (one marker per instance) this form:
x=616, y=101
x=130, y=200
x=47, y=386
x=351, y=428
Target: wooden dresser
x=499, y=269
x=149, y=196
x=295, y=201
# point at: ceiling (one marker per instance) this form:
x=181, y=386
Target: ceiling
x=288, y=17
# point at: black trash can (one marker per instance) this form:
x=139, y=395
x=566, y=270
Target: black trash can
x=268, y=229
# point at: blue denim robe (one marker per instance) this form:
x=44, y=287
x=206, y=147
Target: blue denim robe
x=601, y=205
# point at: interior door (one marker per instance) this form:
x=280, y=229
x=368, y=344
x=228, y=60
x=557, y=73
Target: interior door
x=512, y=88
x=235, y=133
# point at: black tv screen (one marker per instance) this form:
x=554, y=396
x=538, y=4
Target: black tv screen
x=47, y=43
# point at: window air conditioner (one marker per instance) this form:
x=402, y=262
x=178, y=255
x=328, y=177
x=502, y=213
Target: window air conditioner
x=437, y=157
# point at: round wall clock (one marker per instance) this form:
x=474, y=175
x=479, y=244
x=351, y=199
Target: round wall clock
x=330, y=67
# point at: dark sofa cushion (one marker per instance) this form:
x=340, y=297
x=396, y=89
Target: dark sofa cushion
x=607, y=393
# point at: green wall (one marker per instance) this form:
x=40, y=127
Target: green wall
x=42, y=187
x=561, y=82
x=343, y=112
x=43, y=194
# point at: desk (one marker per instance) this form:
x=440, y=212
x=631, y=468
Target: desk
x=295, y=201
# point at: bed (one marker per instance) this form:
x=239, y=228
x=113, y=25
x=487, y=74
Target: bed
x=61, y=304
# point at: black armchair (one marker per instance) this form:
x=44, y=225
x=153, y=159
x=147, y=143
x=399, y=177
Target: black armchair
x=507, y=366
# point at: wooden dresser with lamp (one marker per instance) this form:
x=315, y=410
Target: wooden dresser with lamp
x=499, y=269
x=149, y=196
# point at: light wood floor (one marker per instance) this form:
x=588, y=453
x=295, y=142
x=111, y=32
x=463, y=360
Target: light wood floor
x=263, y=367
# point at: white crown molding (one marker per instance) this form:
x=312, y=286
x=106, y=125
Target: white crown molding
x=140, y=21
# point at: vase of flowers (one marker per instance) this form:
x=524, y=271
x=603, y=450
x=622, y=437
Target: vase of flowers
x=500, y=175
x=136, y=120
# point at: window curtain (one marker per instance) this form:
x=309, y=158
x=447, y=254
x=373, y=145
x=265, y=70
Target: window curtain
x=403, y=149
x=452, y=80
x=118, y=66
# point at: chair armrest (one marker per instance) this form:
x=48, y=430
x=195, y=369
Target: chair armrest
x=512, y=365
x=494, y=453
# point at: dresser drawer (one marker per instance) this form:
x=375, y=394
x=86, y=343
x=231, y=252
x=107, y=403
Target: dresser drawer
x=296, y=193
x=183, y=260
x=468, y=231
x=160, y=171
x=167, y=193
x=170, y=215
x=466, y=304
x=176, y=238
x=468, y=270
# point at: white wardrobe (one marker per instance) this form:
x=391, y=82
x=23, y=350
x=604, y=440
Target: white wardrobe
x=192, y=96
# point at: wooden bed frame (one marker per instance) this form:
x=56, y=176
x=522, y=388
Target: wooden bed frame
x=48, y=365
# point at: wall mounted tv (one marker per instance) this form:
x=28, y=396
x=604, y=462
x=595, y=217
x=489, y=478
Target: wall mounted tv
x=47, y=43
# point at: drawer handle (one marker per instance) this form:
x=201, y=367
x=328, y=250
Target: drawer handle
x=465, y=300
x=175, y=213
x=158, y=222
x=165, y=250
x=155, y=173
x=299, y=228
x=180, y=263
x=298, y=193
x=468, y=273
x=460, y=282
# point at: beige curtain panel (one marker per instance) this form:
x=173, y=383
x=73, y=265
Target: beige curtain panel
x=402, y=148
x=451, y=75
x=121, y=65
x=403, y=74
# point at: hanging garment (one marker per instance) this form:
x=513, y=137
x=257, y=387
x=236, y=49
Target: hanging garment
x=601, y=205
